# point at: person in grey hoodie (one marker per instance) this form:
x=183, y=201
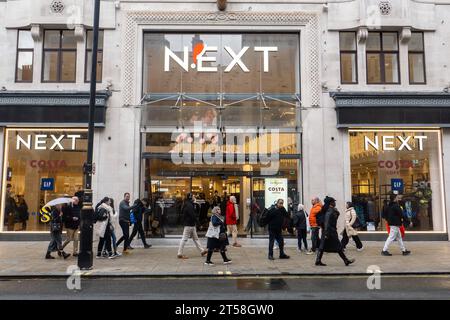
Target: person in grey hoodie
x=124, y=222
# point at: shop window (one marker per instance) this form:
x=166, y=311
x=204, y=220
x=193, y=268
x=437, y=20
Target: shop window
x=416, y=55
x=88, y=64
x=59, y=57
x=348, y=55
x=41, y=165
x=382, y=57
x=407, y=163
x=25, y=56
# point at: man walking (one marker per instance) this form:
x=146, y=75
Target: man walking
x=190, y=223
x=71, y=219
x=231, y=219
x=124, y=222
x=394, y=215
x=139, y=213
x=275, y=220
x=315, y=229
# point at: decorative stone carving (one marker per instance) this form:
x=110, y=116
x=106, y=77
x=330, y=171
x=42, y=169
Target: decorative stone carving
x=405, y=35
x=79, y=32
x=363, y=33
x=57, y=6
x=385, y=8
x=36, y=32
x=308, y=20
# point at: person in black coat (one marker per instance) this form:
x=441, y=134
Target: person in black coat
x=56, y=226
x=71, y=219
x=139, y=212
x=299, y=220
x=275, y=220
x=394, y=216
x=330, y=239
x=217, y=237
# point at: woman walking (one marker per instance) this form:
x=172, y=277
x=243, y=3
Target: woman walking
x=217, y=237
x=104, y=229
x=330, y=239
x=299, y=220
x=349, y=230
x=56, y=226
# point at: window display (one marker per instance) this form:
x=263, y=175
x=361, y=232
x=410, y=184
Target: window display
x=39, y=165
x=407, y=163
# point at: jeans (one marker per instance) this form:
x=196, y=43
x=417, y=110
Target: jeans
x=189, y=232
x=394, y=234
x=105, y=241
x=276, y=235
x=138, y=228
x=301, y=236
x=315, y=238
x=345, y=240
x=55, y=242
x=114, y=241
x=125, y=226
x=72, y=235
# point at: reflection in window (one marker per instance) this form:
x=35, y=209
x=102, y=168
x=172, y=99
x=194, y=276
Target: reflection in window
x=382, y=58
x=60, y=53
x=347, y=43
x=25, y=54
x=416, y=56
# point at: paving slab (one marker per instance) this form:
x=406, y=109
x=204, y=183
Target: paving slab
x=26, y=259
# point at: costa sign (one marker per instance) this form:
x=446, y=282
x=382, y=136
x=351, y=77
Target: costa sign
x=387, y=143
x=199, y=58
x=46, y=142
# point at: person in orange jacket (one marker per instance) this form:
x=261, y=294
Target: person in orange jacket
x=315, y=229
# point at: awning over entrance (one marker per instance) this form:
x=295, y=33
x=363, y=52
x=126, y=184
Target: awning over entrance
x=391, y=109
x=51, y=107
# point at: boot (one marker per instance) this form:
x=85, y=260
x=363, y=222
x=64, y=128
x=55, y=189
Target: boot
x=346, y=260
x=65, y=255
x=49, y=256
x=319, y=258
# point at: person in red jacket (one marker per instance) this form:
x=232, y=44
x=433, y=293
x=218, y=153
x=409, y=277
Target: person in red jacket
x=232, y=216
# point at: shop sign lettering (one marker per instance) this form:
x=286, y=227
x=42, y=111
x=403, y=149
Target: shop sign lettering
x=48, y=164
x=199, y=58
x=397, y=164
x=387, y=143
x=46, y=142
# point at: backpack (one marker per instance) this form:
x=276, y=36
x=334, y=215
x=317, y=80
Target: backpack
x=263, y=218
x=101, y=214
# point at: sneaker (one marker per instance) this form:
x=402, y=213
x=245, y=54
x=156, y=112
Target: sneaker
x=118, y=254
x=406, y=252
x=310, y=252
x=386, y=253
x=147, y=246
x=182, y=256
x=284, y=256
x=360, y=249
x=349, y=262
x=228, y=261
x=209, y=263
x=112, y=256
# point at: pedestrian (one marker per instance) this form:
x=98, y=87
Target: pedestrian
x=231, y=219
x=300, y=223
x=22, y=210
x=315, y=228
x=275, y=220
x=255, y=211
x=71, y=219
x=139, y=212
x=394, y=217
x=10, y=209
x=56, y=226
x=217, y=237
x=190, y=227
x=104, y=228
x=349, y=230
x=125, y=222
x=330, y=239
x=223, y=204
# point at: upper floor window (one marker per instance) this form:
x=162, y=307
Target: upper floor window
x=88, y=64
x=416, y=56
x=348, y=56
x=60, y=56
x=24, y=59
x=382, y=58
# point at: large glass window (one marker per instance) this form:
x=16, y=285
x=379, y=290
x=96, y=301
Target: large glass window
x=25, y=55
x=416, y=54
x=60, y=55
x=88, y=64
x=408, y=163
x=39, y=165
x=348, y=52
x=382, y=58
x=233, y=79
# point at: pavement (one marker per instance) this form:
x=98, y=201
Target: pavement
x=26, y=260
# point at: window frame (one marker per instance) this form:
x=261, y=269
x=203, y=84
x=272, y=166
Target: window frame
x=59, y=51
x=355, y=52
x=382, y=54
x=86, y=53
x=18, y=51
x=422, y=52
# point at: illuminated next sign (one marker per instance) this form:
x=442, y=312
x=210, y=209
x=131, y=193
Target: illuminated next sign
x=387, y=143
x=42, y=141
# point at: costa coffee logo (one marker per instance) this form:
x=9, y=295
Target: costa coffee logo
x=46, y=142
x=48, y=164
x=395, y=164
x=199, y=58
x=388, y=143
